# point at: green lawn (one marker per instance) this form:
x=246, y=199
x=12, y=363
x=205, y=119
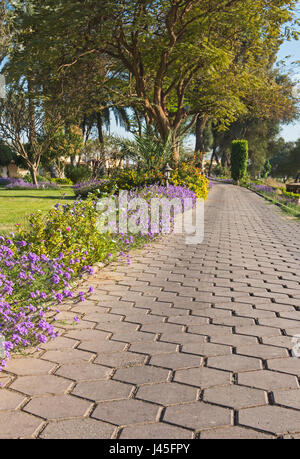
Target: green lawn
x=16, y=204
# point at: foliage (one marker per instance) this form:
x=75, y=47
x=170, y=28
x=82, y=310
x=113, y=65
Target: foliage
x=28, y=179
x=38, y=266
x=239, y=159
x=267, y=169
x=148, y=151
x=78, y=174
x=285, y=158
x=290, y=201
x=169, y=60
x=189, y=176
x=121, y=180
x=22, y=118
x=186, y=175
x=7, y=154
x=219, y=171
x=20, y=184
x=66, y=143
x=62, y=181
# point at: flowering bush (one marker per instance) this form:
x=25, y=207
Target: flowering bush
x=29, y=283
x=189, y=176
x=20, y=184
x=123, y=180
x=62, y=181
x=186, y=175
x=4, y=181
x=38, y=266
x=97, y=187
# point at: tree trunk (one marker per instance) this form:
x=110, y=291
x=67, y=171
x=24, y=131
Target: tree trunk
x=31, y=109
x=100, y=128
x=175, y=153
x=211, y=160
x=33, y=174
x=199, y=147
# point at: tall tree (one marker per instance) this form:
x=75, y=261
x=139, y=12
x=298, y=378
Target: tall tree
x=15, y=119
x=159, y=51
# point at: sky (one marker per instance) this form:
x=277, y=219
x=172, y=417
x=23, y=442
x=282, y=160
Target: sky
x=291, y=132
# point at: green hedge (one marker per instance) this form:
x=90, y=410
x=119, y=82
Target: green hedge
x=239, y=159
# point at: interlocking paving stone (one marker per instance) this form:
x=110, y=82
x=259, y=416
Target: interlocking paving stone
x=289, y=365
x=16, y=424
x=29, y=366
x=262, y=351
x=206, y=349
x=81, y=371
x=198, y=329
x=102, y=390
x=155, y=431
x=233, y=433
x=126, y=412
x=258, y=330
x=100, y=347
x=198, y=415
x=235, y=396
x=141, y=375
x=60, y=343
x=280, y=341
x=176, y=361
x=39, y=385
x=121, y=359
x=167, y=393
x=153, y=348
x=58, y=406
x=181, y=338
x=234, y=340
x=273, y=419
x=288, y=398
x=62, y=356
x=202, y=377
x=77, y=429
x=233, y=362
x=268, y=380
x=10, y=400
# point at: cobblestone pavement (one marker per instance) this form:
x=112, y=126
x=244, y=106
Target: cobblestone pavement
x=186, y=342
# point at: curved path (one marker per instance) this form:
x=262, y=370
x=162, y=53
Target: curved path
x=186, y=342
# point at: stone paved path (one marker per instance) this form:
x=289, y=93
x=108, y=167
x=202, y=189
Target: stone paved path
x=186, y=342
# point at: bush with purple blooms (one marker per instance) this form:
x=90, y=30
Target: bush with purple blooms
x=20, y=184
x=290, y=200
x=39, y=265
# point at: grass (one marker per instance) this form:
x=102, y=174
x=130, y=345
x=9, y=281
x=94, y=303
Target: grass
x=16, y=204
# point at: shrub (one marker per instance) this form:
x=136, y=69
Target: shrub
x=122, y=180
x=19, y=184
x=220, y=171
x=62, y=181
x=28, y=179
x=239, y=159
x=130, y=179
x=78, y=174
x=189, y=176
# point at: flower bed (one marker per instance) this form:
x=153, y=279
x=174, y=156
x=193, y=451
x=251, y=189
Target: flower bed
x=20, y=184
x=278, y=195
x=186, y=175
x=38, y=267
